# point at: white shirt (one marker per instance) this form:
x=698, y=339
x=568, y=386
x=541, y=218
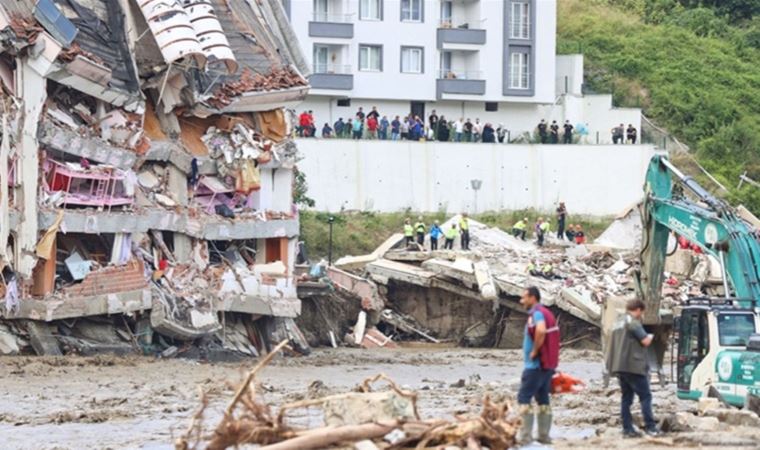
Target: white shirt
x=459, y=126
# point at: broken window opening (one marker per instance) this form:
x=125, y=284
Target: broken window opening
x=233, y=252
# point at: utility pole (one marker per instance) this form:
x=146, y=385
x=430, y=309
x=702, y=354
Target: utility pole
x=330, y=221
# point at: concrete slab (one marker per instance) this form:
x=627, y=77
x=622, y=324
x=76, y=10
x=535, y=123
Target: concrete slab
x=460, y=269
x=42, y=340
x=49, y=310
x=400, y=271
x=206, y=227
x=358, y=262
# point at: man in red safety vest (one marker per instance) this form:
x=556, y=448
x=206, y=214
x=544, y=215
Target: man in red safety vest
x=541, y=351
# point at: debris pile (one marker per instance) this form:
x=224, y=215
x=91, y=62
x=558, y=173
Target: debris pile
x=472, y=297
x=361, y=419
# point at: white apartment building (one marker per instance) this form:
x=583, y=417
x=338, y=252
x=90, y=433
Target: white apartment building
x=492, y=59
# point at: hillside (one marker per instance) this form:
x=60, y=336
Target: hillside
x=694, y=70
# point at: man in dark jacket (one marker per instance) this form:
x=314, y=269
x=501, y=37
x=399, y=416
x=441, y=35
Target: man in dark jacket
x=627, y=359
x=488, y=135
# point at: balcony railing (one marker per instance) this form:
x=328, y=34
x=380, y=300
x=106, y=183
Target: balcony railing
x=461, y=24
x=331, y=68
x=333, y=18
x=448, y=74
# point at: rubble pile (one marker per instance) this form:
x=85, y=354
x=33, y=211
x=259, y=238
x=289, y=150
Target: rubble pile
x=146, y=181
x=469, y=296
x=363, y=419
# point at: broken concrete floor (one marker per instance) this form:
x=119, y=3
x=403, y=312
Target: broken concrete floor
x=130, y=402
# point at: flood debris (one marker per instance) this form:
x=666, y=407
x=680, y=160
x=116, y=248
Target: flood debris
x=148, y=180
x=364, y=418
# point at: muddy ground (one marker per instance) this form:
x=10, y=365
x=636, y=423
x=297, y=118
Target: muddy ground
x=112, y=402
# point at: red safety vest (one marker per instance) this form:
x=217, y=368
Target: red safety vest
x=549, y=352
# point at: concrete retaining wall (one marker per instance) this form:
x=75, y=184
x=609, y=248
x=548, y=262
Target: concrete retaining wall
x=430, y=176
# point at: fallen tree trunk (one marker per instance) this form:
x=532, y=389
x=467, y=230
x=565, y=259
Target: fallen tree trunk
x=323, y=437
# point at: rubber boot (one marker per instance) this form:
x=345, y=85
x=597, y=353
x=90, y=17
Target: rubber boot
x=544, y=420
x=526, y=432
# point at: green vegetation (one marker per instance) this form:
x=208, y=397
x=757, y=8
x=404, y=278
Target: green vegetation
x=692, y=65
x=359, y=233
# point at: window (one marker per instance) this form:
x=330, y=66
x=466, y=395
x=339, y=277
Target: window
x=370, y=10
x=321, y=11
x=370, y=58
x=735, y=329
x=520, y=25
x=344, y=102
x=411, y=60
x=492, y=106
x=320, y=58
x=446, y=8
x=519, y=74
x=411, y=10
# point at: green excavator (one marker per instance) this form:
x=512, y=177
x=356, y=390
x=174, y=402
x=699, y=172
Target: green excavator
x=716, y=337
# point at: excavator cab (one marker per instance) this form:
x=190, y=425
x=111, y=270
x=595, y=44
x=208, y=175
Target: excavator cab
x=712, y=336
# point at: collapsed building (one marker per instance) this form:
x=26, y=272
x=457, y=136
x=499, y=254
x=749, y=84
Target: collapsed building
x=472, y=297
x=147, y=173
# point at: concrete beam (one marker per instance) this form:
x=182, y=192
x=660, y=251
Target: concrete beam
x=204, y=227
x=67, y=308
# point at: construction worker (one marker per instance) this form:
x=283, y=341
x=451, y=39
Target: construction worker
x=450, y=235
x=518, y=229
x=464, y=230
x=420, y=229
x=561, y=217
x=541, y=228
x=531, y=269
x=408, y=232
x=627, y=358
x=541, y=353
x=435, y=234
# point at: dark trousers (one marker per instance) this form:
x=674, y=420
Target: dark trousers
x=555, y=138
x=357, y=134
x=561, y=229
x=408, y=240
x=630, y=384
x=540, y=239
x=433, y=243
x=421, y=238
x=632, y=138
x=449, y=244
x=543, y=137
x=518, y=233
x=617, y=139
x=568, y=138
x=535, y=383
x=465, y=239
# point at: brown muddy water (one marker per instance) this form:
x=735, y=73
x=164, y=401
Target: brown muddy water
x=141, y=403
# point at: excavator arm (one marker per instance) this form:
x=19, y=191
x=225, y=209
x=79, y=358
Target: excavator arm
x=706, y=221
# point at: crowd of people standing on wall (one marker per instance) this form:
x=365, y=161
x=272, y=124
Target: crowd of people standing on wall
x=373, y=125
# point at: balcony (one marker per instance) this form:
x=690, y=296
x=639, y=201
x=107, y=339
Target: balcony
x=460, y=82
x=332, y=26
x=332, y=76
x=462, y=34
